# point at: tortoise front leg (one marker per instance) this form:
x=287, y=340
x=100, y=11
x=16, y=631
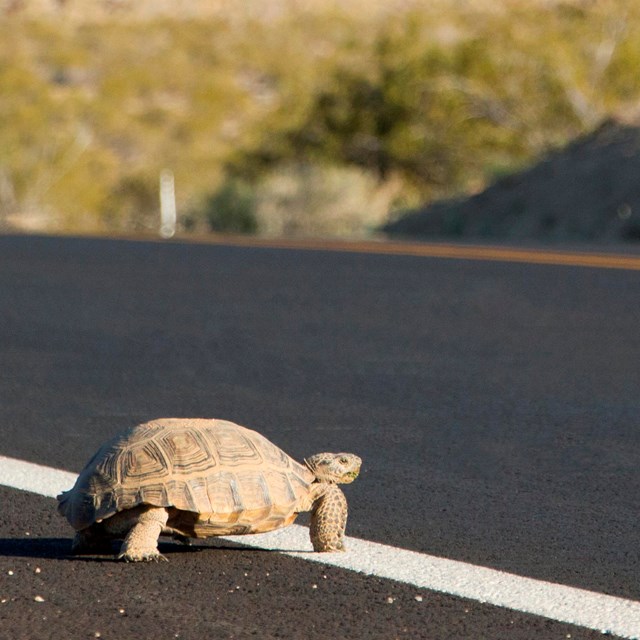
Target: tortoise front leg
x=141, y=543
x=329, y=519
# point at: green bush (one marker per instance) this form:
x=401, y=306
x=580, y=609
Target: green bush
x=231, y=209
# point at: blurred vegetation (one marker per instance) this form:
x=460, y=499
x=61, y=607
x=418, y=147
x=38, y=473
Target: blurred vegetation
x=308, y=122
x=231, y=209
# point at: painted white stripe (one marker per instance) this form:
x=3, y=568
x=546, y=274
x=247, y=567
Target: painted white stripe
x=601, y=612
x=35, y=478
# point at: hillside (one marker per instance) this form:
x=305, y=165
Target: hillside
x=590, y=190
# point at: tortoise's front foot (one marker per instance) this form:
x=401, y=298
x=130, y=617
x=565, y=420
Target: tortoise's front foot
x=329, y=519
x=326, y=546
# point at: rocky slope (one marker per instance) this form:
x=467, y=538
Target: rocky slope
x=588, y=191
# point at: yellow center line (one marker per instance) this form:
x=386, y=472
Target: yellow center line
x=397, y=248
x=451, y=251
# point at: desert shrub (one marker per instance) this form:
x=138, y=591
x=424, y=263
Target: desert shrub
x=132, y=205
x=230, y=209
x=314, y=200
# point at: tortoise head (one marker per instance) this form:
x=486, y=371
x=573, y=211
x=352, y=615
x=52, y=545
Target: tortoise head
x=334, y=467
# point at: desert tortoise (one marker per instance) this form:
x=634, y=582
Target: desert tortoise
x=200, y=478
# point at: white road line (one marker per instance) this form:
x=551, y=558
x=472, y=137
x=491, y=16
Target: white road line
x=588, y=609
x=28, y=476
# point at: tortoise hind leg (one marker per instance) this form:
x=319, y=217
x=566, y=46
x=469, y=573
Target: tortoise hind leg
x=141, y=543
x=185, y=540
x=91, y=541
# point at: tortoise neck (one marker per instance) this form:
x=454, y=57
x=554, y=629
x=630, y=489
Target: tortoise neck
x=312, y=465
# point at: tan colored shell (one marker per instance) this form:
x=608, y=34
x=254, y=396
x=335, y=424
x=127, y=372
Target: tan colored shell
x=219, y=477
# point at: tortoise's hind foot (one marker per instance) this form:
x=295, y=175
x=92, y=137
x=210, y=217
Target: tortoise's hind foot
x=89, y=543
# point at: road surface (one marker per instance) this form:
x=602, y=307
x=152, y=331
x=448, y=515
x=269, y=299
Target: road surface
x=494, y=402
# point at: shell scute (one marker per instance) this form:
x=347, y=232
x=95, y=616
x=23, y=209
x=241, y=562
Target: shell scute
x=145, y=460
x=234, y=448
x=187, y=452
x=253, y=491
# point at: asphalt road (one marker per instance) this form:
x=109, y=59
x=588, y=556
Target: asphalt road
x=495, y=406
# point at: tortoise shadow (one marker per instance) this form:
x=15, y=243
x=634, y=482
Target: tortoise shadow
x=60, y=549
x=35, y=547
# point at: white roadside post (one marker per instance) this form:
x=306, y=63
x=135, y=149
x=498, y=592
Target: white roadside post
x=168, y=215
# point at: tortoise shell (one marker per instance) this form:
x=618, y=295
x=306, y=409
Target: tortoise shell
x=215, y=476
